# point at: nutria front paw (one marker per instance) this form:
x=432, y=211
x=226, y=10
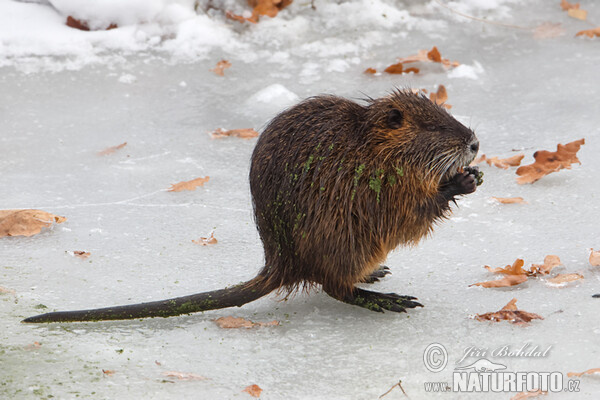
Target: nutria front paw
x=465, y=182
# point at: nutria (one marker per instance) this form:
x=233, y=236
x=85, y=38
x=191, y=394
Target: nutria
x=336, y=186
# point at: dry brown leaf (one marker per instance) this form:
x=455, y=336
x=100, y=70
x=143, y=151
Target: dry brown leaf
x=4, y=290
x=82, y=25
x=395, y=69
x=188, y=185
x=268, y=8
x=515, y=269
x=108, y=372
x=26, y=222
x=432, y=55
x=232, y=322
x=566, y=6
x=588, y=372
x=510, y=200
x=548, y=30
x=33, y=346
x=370, y=71
x=595, y=258
x=509, y=313
x=478, y=160
x=440, y=97
x=80, y=254
x=528, y=395
x=550, y=262
x=504, y=163
x=589, y=32
x=241, y=133
x=184, y=376
x=563, y=279
x=112, y=149
x=577, y=14
x=547, y=162
x=508, y=280
x=221, y=67
x=205, y=241
x=253, y=390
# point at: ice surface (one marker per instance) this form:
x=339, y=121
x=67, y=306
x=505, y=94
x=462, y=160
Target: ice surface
x=68, y=94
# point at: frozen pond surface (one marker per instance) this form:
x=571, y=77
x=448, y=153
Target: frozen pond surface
x=528, y=94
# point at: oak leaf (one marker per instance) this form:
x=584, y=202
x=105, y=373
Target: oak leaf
x=220, y=68
x=478, y=160
x=432, y=55
x=241, y=133
x=232, y=322
x=508, y=280
x=528, y=395
x=550, y=262
x=504, y=163
x=253, y=390
x=269, y=8
x=588, y=372
x=577, y=13
x=589, y=32
x=510, y=200
x=547, y=162
x=563, y=279
x=595, y=258
x=188, y=185
x=515, y=269
x=509, y=313
x=26, y=222
x=440, y=97
x=110, y=150
x=566, y=6
x=184, y=376
x=205, y=241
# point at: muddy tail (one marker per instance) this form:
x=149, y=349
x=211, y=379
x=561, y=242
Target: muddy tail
x=233, y=296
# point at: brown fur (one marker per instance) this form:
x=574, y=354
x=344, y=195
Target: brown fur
x=335, y=188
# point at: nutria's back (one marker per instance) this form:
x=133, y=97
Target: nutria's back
x=337, y=185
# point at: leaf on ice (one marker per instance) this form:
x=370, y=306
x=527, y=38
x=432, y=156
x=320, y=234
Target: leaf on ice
x=33, y=346
x=547, y=162
x=563, y=279
x=188, y=185
x=108, y=372
x=550, y=262
x=241, y=133
x=548, y=30
x=82, y=25
x=220, y=68
x=432, y=55
x=592, y=371
x=509, y=200
x=370, y=71
x=232, y=322
x=508, y=280
x=26, y=222
x=184, y=376
x=80, y=254
x=478, y=160
x=504, y=163
x=253, y=390
x=4, y=290
x=112, y=149
x=509, y=313
x=205, y=241
x=595, y=258
x=440, y=97
x=515, y=269
x=269, y=8
x=528, y=395
x=566, y=6
x=577, y=13
x=595, y=32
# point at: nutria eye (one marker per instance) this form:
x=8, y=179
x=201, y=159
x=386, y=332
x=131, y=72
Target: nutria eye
x=431, y=128
x=394, y=119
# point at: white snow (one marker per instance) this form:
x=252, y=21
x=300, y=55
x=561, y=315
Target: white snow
x=68, y=94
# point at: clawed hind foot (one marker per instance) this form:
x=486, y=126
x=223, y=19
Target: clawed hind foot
x=378, y=273
x=379, y=302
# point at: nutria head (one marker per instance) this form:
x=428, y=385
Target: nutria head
x=410, y=127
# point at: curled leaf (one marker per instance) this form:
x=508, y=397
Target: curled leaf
x=547, y=162
x=595, y=258
x=205, y=241
x=563, y=279
x=112, y=149
x=253, y=390
x=188, y=185
x=220, y=68
x=504, y=163
x=26, y=222
x=241, y=133
x=515, y=269
x=508, y=280
x=595, y=32
x=440, y=97
x=509, y=200
x=509, y=313
x=550, y=262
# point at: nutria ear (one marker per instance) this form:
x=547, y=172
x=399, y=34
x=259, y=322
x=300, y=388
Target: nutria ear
x=394, y=119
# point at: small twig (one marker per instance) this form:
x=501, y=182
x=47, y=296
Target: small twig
x=399, y=384
x=481, y=19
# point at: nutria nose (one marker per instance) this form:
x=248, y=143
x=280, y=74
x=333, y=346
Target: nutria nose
x=475, y=147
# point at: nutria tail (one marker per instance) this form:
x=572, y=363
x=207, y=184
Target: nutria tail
x=233, y=296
